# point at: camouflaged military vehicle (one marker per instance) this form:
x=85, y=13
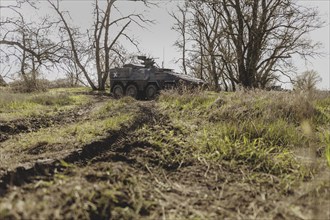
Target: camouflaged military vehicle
x=146, y=80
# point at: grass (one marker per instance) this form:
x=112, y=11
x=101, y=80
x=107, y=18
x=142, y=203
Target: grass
x=326, y=141
x=115, y=107
x=76, y=134
x=323, y=120
x=258, y=129
x=18, y=105
x=198, y=152
x=95, y=193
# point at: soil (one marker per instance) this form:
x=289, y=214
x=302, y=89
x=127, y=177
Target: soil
x=195, y=189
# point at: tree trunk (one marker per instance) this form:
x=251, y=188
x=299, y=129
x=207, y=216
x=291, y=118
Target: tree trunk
x=2, y=81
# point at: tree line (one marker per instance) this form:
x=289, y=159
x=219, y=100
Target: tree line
x=228, y=43
x=248, y=43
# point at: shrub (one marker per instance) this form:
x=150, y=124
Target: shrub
x=22, y=86
x=307, y=81
x=52, y=99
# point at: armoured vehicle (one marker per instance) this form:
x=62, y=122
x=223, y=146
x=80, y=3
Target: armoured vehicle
x=145, y=81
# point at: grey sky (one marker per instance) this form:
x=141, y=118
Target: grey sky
x=159, y=38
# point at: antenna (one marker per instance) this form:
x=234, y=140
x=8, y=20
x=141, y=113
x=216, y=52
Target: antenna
x=163, y=57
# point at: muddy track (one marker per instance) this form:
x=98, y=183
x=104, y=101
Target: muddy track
x=146, y=115
x=46, y=169
x=32, y=124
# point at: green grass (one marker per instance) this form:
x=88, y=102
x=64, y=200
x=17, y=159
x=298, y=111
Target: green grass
x=257, y=129
x=19, y=105
x=75, y=134
x=326, y=142
x=252, y=136
x=95, y=193
x=322, y=119
x=116, y=107
x=79, y=133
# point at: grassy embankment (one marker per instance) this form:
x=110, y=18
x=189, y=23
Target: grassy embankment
x=262, y=130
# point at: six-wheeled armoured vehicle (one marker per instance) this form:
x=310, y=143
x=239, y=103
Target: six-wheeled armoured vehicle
x=144, y=81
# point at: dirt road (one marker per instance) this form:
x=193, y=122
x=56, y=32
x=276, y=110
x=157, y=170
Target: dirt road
x=123, y=173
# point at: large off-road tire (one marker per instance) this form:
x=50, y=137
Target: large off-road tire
x=132, y=90
x=118, y=91
x=151, y=91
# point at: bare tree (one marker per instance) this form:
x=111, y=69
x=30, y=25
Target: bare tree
x=256, y=39
x=102, y=46
x=180, y=26
x=201, y=27
x=307, y=81
x=73, y=42
x=28, y=44
x=72, y=72
x=206, y=35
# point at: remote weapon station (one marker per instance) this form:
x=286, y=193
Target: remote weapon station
x=144, y=81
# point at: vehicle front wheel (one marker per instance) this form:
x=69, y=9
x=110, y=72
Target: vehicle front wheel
x=132, y=91
x=118, y=91
x=151, y=91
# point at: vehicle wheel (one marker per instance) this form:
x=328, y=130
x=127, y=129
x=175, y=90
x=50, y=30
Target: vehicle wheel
x=118, y=91
x=151, y=91
x=132, y=91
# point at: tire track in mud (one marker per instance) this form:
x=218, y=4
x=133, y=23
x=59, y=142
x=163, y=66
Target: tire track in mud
x=32, y=124
x=47, y=169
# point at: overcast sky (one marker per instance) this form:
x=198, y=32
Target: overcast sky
x=158, y=39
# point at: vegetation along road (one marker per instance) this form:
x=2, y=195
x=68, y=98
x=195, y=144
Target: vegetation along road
x=73, y=154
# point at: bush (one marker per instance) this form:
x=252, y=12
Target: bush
x=40, y=85
x=61, y=83
x=307, y=81
x=22, y=86
x=52, y=99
